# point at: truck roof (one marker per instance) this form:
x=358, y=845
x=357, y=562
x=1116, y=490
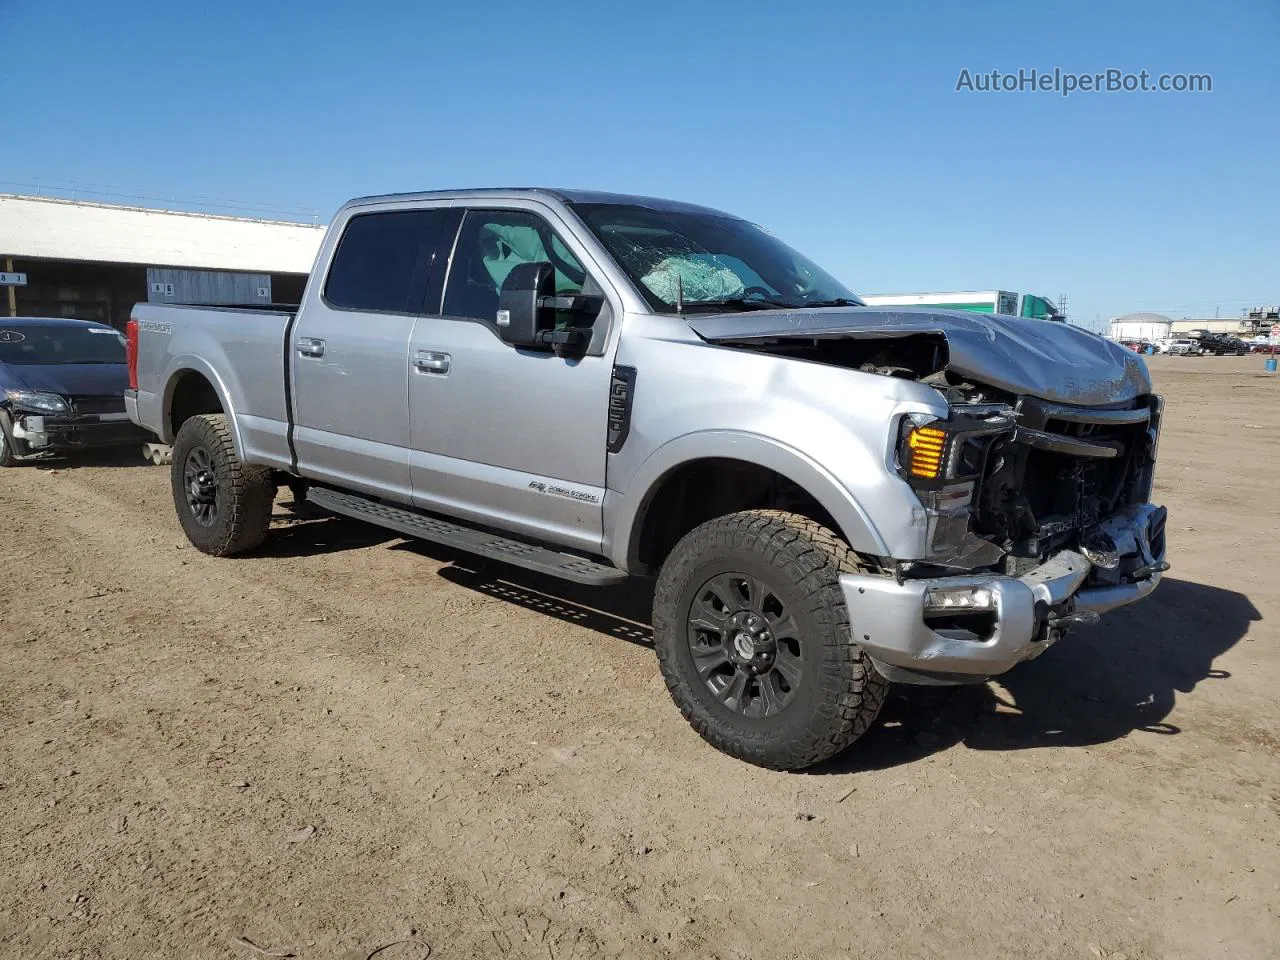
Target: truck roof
x=554, y=193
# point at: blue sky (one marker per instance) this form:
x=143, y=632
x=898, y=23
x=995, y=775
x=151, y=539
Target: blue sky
x=835, y=124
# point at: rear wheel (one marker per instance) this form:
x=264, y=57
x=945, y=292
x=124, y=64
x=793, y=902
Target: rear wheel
x=223, y=504
x=753, y=639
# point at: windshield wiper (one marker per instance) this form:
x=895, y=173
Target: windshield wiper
x=743, y=303
x=837, y=302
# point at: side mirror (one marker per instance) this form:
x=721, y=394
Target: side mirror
x=527, y=308
x=522, y=320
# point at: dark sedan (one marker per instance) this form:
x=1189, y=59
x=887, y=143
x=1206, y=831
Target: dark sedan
x=62, y=386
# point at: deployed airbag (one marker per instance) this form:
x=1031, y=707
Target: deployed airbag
x=701, y=277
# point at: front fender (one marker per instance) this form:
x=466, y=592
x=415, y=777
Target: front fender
x=625, y=511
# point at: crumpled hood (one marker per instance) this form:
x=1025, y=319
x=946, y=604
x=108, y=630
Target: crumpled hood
x=68, y=379
x=1041, y=358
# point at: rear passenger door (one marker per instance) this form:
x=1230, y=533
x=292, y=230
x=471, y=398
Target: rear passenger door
x=350, y=348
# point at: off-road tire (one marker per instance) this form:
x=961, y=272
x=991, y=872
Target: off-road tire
x=244, y=494
x=840, y=692
x=8, y=452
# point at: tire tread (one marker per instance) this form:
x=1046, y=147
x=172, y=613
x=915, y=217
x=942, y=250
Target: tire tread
x=8, y=450
x=247, y=491
x=813, y=557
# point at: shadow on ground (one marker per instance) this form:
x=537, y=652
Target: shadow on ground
x=622, y=611
x=1098, y=684
x=301, y=529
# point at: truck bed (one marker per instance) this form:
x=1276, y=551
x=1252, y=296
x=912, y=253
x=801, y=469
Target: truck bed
x=241, y=351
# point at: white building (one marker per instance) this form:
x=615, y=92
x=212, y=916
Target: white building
x=1140, y=326
x=94, y=261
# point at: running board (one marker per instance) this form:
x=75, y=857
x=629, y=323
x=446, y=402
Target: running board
x=566, y=566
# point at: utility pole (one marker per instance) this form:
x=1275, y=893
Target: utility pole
x=1062, y=304
x=13, y=291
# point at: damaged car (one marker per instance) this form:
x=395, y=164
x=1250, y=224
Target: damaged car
x=62, y=386
x=827, y=497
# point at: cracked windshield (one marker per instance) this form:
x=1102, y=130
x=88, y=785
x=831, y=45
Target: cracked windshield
x=704, y=261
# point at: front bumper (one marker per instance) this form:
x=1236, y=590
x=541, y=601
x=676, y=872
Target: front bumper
x=1030, y=612
x=46, y=433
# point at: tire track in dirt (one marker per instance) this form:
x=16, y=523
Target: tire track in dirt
x=203, y=589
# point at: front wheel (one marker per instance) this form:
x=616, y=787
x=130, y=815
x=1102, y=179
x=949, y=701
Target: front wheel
x=8, y=452
x=223, y=504
x=753, y=638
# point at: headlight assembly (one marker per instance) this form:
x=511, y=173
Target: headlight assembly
x=36, y=402
x=932, y=453
x=943, y=461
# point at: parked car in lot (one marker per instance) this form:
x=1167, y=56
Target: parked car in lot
x=1218, y=344
x=1230, y=347
x=831, y=496
x=1180, y=347
x=62, y=386
x=1141, y=346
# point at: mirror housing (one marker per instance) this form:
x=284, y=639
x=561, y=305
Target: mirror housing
x=522, y=320
x=527, y=308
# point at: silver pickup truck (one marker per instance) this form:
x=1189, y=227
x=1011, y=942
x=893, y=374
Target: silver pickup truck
x=830, y=496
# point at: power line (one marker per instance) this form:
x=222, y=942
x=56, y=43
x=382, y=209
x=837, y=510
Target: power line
x=77, y=190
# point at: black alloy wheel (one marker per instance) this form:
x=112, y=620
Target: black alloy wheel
x=201, y=485
x=745, y=644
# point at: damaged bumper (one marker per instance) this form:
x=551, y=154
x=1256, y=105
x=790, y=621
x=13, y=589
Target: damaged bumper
x=964, y=629
x=42, y=434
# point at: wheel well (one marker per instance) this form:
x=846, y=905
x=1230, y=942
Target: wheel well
x=192, y=396
x=702, y=490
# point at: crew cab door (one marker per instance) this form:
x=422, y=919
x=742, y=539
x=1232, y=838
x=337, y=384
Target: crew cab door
x=349, y=349
x=510, y=437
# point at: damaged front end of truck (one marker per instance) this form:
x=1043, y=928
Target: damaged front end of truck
x=1034, y=489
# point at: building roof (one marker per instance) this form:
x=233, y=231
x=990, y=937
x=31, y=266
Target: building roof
x=1142, y=318
x=55, y=229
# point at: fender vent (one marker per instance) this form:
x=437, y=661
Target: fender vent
x=622, y=390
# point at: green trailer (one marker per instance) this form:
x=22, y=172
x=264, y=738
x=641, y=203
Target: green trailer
x=977, y=301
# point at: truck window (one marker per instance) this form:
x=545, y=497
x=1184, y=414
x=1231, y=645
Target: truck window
x=382, y=260
x=492, y=243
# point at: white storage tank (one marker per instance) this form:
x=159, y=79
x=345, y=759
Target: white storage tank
x=1140, y=326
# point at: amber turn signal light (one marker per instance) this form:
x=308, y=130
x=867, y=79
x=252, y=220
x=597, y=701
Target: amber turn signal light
x=926, y=446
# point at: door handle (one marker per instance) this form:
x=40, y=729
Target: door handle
x=430, y=362
x=310, y=347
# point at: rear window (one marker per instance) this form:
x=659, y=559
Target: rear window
x=47, y=345
x=382, y=261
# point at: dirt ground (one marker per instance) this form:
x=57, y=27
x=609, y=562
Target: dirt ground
x=348, y=740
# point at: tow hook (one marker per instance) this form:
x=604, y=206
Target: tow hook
x=1145, y=573
x=1057, y=622
x=1079, y=618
